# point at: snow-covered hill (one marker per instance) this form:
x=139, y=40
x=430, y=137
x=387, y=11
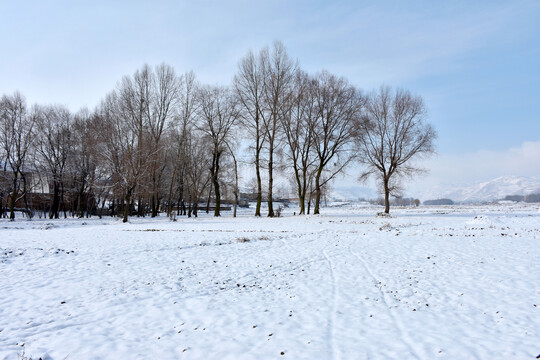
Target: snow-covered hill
x=486, y=191
x=352, y=193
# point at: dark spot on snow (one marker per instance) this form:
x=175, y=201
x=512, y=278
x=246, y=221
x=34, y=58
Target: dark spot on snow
x=62, y=302
x=282, y=353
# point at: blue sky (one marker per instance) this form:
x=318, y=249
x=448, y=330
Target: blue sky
x=477, y=64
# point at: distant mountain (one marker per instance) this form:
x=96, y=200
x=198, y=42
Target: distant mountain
x=351, y=193
x=495, y=189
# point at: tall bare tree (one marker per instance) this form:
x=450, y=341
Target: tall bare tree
x=180, y=133
x=338, y=105
x=390, y=135
x=83, y=162
x=249, y=86
x=278, y=69
x=17, y=136
x=165, y=87
x=54, y=147
x=298, y=127
x=122, y=148
x=218, y=113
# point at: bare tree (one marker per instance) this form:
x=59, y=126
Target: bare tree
x=165, y=89
x=132, y=101
x=236, y=188
x=218, y=113
x=181, y=133
x=83, y=162
x=54, y=147
x=298, y=127
x=249, y=86
x=391, y=133
x=147, y=102
x=278, y=69
x=17, y=136
x=198, y=161
x=122, y=148
x=338, y=106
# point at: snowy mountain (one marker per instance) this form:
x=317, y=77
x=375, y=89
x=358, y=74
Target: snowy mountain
x=486, y=191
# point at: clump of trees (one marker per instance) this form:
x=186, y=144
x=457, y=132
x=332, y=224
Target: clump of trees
x=530, y=198
x=439, y=202
x=162, y=142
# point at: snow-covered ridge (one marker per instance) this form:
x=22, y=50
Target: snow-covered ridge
x=495, y=189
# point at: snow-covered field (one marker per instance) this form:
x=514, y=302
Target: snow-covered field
x=447, y=282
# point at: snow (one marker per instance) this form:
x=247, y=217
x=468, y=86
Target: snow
x=429, y=282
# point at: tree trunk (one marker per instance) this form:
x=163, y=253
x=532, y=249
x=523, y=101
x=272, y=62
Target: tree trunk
x=102, y=207
x=2, y=213
x=12, y=200
x=270, y=182
x=259, y=183
x=208, y=200
x=235, y=184
x=317, y=191
x=141, y=207
x=386, y=196
x=301, y=192
x=155, y=196
x=80, y=211
x=302, y=202
x=56, y=201
x=216, y=182
x=127, y=206
x=154, y=205
x=29, y=212
x=169, y=200
x=62, y=199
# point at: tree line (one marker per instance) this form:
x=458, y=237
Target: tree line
x=164, y=142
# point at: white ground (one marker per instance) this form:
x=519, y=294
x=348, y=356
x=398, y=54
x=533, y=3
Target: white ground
x=455, y=283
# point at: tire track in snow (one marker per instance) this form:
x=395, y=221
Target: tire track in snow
x=398, y=323
x=332, y=320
